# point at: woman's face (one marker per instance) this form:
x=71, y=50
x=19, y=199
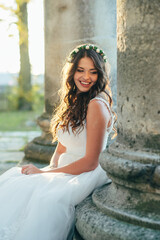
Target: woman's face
x=86, y=74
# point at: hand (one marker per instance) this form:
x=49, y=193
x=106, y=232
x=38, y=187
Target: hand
x=30, y=169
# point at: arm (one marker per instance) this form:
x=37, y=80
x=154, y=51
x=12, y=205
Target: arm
x=98, y=118
x=30, y=168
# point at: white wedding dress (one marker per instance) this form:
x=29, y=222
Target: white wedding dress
x=42, y=206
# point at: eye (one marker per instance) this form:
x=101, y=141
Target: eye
x=94, y=72
x=79, y=70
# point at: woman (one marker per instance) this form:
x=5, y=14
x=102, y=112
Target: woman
x=39, y=204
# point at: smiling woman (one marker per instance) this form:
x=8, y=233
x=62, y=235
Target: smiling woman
x=81, y=124
x=84, y=77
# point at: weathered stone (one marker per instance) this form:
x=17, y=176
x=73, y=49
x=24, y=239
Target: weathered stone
x=133, y=174
x=138, y=73
x=39, y=153
x=93, y=224
x=156, y=176
x=44, y=141
x=44, y=122
x=41, y=148
x=77, y=236
x=128, y=205
x=147, y=156
x=129, y=208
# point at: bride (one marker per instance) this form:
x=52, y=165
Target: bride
x=39, y=204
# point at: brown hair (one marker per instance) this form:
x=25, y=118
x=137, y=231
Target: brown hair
x=72, y=109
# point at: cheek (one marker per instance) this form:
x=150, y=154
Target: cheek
x=76, y=76
x=95, y=79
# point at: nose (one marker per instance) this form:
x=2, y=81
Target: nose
x=86, y=75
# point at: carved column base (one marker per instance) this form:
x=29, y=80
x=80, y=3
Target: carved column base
x=94, y=223
x=128, y=208
x=41, y=148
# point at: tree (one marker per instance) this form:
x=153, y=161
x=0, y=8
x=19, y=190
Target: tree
x=24, y=79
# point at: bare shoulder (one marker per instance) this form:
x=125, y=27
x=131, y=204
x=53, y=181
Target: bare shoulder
x=98, y=111
x=98, y=106
x=95, y=106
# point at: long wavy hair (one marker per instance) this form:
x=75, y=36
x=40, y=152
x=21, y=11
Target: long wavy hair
x=72, y=109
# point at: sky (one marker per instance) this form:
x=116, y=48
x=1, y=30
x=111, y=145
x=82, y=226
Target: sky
x=9, y=49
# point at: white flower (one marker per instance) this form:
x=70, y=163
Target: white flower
x=87, y=47
x=104, y=57
x=69, y=59
x=98, y=50
x=76, y=50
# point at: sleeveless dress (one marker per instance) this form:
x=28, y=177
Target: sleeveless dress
x=42, y=206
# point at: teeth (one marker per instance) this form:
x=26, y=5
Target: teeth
x=85, y=83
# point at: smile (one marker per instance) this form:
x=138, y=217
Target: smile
x=85, y=83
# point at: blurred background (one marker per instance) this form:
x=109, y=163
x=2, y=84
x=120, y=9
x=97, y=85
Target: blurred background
x=27, y=98
x=21, y=76
x=22, y=55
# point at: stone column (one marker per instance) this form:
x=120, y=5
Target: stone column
x=67, y=24
x=129, y=208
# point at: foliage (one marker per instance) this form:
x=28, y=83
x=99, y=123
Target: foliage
x=35, y=96
x=20, y=24
x=22, y=27
x=24, y=91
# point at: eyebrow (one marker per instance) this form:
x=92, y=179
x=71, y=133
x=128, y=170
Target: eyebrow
x=89, y=69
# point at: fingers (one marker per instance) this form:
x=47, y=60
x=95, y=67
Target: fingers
x=26, y=169
x=23, y=169
x=28, y=172
x=30, y=169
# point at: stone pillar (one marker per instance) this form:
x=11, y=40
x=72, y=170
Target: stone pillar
x=129, y=208
x=67, y=24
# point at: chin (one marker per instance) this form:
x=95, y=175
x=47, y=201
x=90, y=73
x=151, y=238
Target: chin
x=83, y=91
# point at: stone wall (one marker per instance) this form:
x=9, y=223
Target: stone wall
x=138, y=93
x=129, y=208
x=70, y=23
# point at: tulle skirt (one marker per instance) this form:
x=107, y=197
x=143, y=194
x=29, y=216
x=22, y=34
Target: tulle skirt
x=42, y=206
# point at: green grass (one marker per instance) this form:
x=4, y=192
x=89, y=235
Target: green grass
x=19, y=120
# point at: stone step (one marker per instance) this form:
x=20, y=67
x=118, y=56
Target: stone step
x=128, y=205
x=92, y=224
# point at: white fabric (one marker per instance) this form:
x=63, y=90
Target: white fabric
x=41, y=206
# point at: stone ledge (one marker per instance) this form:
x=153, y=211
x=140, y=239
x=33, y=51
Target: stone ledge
x=39, y=153
x=77, y=235
x=132, y=174
x=122, y=151
x=93, y=224
x=128, y=205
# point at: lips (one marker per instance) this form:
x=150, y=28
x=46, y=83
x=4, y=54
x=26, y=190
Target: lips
x=85, y=84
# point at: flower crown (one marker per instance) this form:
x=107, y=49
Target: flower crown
x=87, y=47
